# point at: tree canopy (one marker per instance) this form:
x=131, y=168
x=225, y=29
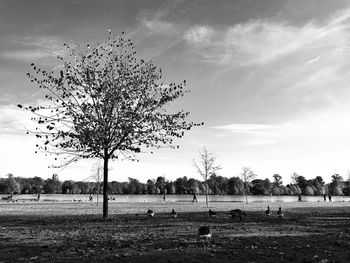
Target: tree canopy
x=104, y=102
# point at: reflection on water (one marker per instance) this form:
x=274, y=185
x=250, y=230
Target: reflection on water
x=171, y=198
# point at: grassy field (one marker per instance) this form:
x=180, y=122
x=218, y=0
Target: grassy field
x=75, y=232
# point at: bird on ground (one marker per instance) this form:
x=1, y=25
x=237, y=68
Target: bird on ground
x=268, y=211
x=241, y=215
x=204, y=232
x=280, y=212
x=173, y=214
x=150, y=213
x=212, y=214
x=205, y=235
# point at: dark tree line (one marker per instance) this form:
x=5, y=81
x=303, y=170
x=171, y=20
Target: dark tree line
x=217, y=185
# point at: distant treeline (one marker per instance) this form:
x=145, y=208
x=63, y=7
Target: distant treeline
x=217, y=185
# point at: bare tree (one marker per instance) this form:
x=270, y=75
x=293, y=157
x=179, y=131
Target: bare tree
x=97, y=176
x=104, y=102
x=206, y=167
x=294, y=178
x=247, y=176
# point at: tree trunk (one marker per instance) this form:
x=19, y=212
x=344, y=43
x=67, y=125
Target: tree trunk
x=98, y=190
x=105, y=184
x=206, y=194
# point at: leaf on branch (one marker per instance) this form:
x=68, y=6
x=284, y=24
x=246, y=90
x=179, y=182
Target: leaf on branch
x=106, y=98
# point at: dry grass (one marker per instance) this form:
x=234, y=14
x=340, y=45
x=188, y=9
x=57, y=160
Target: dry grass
x=75, y=232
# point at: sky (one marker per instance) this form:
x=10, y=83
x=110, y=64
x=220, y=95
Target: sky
x=268, y=78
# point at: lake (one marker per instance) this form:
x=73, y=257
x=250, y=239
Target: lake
x=172, y=198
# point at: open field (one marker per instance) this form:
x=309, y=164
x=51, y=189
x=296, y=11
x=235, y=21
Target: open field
x=75, y=232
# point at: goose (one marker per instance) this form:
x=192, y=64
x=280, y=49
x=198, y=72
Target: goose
x=150, y=213
x=173, y=214
x=268, y=211
x=204, y=232
x=279, y=212
x=212, y=214
x=205, y=235
x=237, y=213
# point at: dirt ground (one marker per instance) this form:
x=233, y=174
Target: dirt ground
x=76, y=232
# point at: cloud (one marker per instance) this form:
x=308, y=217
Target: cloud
x=26, y=55
x=199, y=35
x=157, y=22
x=156, y=25
x=259, y=142
x=271, y=71
x=35, y=48
x=260, y=42
x=323, y=128
x=13, y=121
x=247, y=128
x=249, y=134
x=313, y=60
x=6, y=98
x=155, y=31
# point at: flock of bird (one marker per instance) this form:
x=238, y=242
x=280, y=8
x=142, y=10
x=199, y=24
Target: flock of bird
x=205, y=232
x=279, y=212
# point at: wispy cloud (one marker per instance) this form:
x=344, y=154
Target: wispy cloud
x=258, y=42
x=6, y=98
x=13, y=121
x=158, y=22
x=247, y=128
x=156, y=25
x=201, y=35
x=34, y=48
x=281, y=70
x=313, y=60
x=250, y=134
x=315, y=129
x=26, y=55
